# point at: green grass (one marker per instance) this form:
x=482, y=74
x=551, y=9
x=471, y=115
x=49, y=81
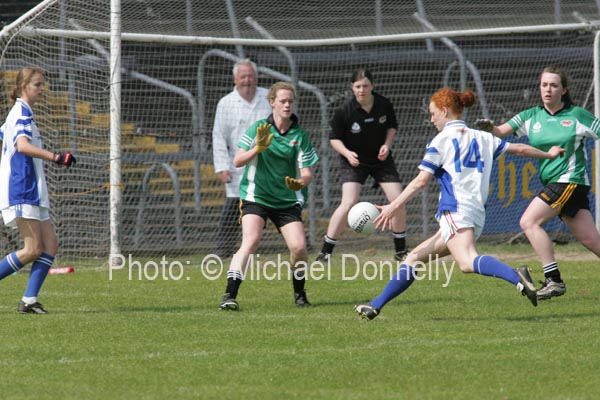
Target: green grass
x=476, y=339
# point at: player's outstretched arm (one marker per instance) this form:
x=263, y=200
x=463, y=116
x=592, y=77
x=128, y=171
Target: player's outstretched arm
x=24, y=146
x=415, y=187
x=501, y=131
x=525, y=150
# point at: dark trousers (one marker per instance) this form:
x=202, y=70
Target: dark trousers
x=230, y=229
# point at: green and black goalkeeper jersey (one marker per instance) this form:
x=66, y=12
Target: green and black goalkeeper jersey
x=263, y=181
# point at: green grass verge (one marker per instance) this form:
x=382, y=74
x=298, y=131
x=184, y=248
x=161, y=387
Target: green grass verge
x=139, y=339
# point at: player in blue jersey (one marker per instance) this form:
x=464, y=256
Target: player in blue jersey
x=23, y=193
x=566, y=180
x=461, y=160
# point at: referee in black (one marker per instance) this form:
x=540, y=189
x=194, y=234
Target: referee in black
x=362, y=132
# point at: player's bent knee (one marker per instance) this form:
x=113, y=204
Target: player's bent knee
x=31, y=254
x=52, y=247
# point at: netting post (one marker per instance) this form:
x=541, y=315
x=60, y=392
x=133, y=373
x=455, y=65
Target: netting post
x=115, y=128
x=597, y=114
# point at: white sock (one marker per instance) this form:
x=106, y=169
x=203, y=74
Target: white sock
x=520, y=287
x=29, y=300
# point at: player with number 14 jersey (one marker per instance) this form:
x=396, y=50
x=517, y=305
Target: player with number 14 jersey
x=452, y=157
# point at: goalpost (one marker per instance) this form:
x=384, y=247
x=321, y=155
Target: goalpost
x=115, y=128
x=133, y=88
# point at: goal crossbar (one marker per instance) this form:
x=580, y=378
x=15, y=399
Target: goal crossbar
x=203, y=40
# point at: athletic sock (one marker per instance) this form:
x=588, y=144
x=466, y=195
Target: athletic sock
x=399, y=241
x=9, y=265
x=298, y=280
x=29, y=300
x=551, y=271
x=398, y=284
x=490, y=266
x=39, y=271
x=234, y=280
x=328, y=245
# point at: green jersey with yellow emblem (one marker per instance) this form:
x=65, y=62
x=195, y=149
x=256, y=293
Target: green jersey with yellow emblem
x=263, y=181
x=567, y=128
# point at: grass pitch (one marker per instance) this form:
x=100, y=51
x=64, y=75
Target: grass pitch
x=477, y=338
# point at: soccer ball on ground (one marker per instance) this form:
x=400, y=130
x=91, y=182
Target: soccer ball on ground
x=361, y=216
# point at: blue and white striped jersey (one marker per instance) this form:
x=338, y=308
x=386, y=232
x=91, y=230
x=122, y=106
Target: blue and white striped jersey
x=22, y=179
x=461, y=159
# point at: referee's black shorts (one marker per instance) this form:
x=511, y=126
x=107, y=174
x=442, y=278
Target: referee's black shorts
x=381, y=171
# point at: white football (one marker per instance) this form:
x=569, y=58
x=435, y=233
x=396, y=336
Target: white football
x=361, y=216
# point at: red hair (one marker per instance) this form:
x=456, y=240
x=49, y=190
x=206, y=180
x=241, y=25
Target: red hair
x=455, y=102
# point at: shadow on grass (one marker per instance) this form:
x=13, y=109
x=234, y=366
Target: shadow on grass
x=529, y=318
x=392, y=303
x=554, y=317
x=154, y=309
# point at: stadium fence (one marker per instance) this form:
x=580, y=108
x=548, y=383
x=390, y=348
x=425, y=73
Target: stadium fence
x=133, y=87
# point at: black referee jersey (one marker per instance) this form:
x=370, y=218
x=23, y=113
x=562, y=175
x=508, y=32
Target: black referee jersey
x=361, y=132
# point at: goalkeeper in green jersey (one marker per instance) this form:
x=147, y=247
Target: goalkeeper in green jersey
x=566, y=182
x=278, y=156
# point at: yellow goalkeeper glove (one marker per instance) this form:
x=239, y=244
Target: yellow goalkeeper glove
x=484, y=124
x=294, y=184
x=263, y=138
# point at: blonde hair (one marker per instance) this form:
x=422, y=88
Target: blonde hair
x=24, y=76
x=280, y=86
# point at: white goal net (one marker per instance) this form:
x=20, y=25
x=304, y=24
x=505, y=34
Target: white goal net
x=177, y=57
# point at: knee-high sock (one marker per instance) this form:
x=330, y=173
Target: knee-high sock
x=9, y=265
x=398, y=284
x=490, y=266
x=39, y=271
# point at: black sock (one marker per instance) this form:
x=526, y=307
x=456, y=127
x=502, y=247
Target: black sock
x=299, y=280
x=234, y=280
x=328, y=245
x=551, y=271
x=399, y=241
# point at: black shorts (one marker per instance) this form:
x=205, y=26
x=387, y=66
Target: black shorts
x=381, y=171
x=279, y=216
x=568, y=198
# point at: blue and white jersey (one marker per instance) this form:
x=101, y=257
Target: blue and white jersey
x=461, y=159
x=22, y=179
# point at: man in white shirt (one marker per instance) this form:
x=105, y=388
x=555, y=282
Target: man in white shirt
x=236, y=111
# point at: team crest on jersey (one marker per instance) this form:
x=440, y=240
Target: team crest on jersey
x=382, y=119
x=355, y=128
x=294, y=143
x=567, y=123
x=537, y=127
